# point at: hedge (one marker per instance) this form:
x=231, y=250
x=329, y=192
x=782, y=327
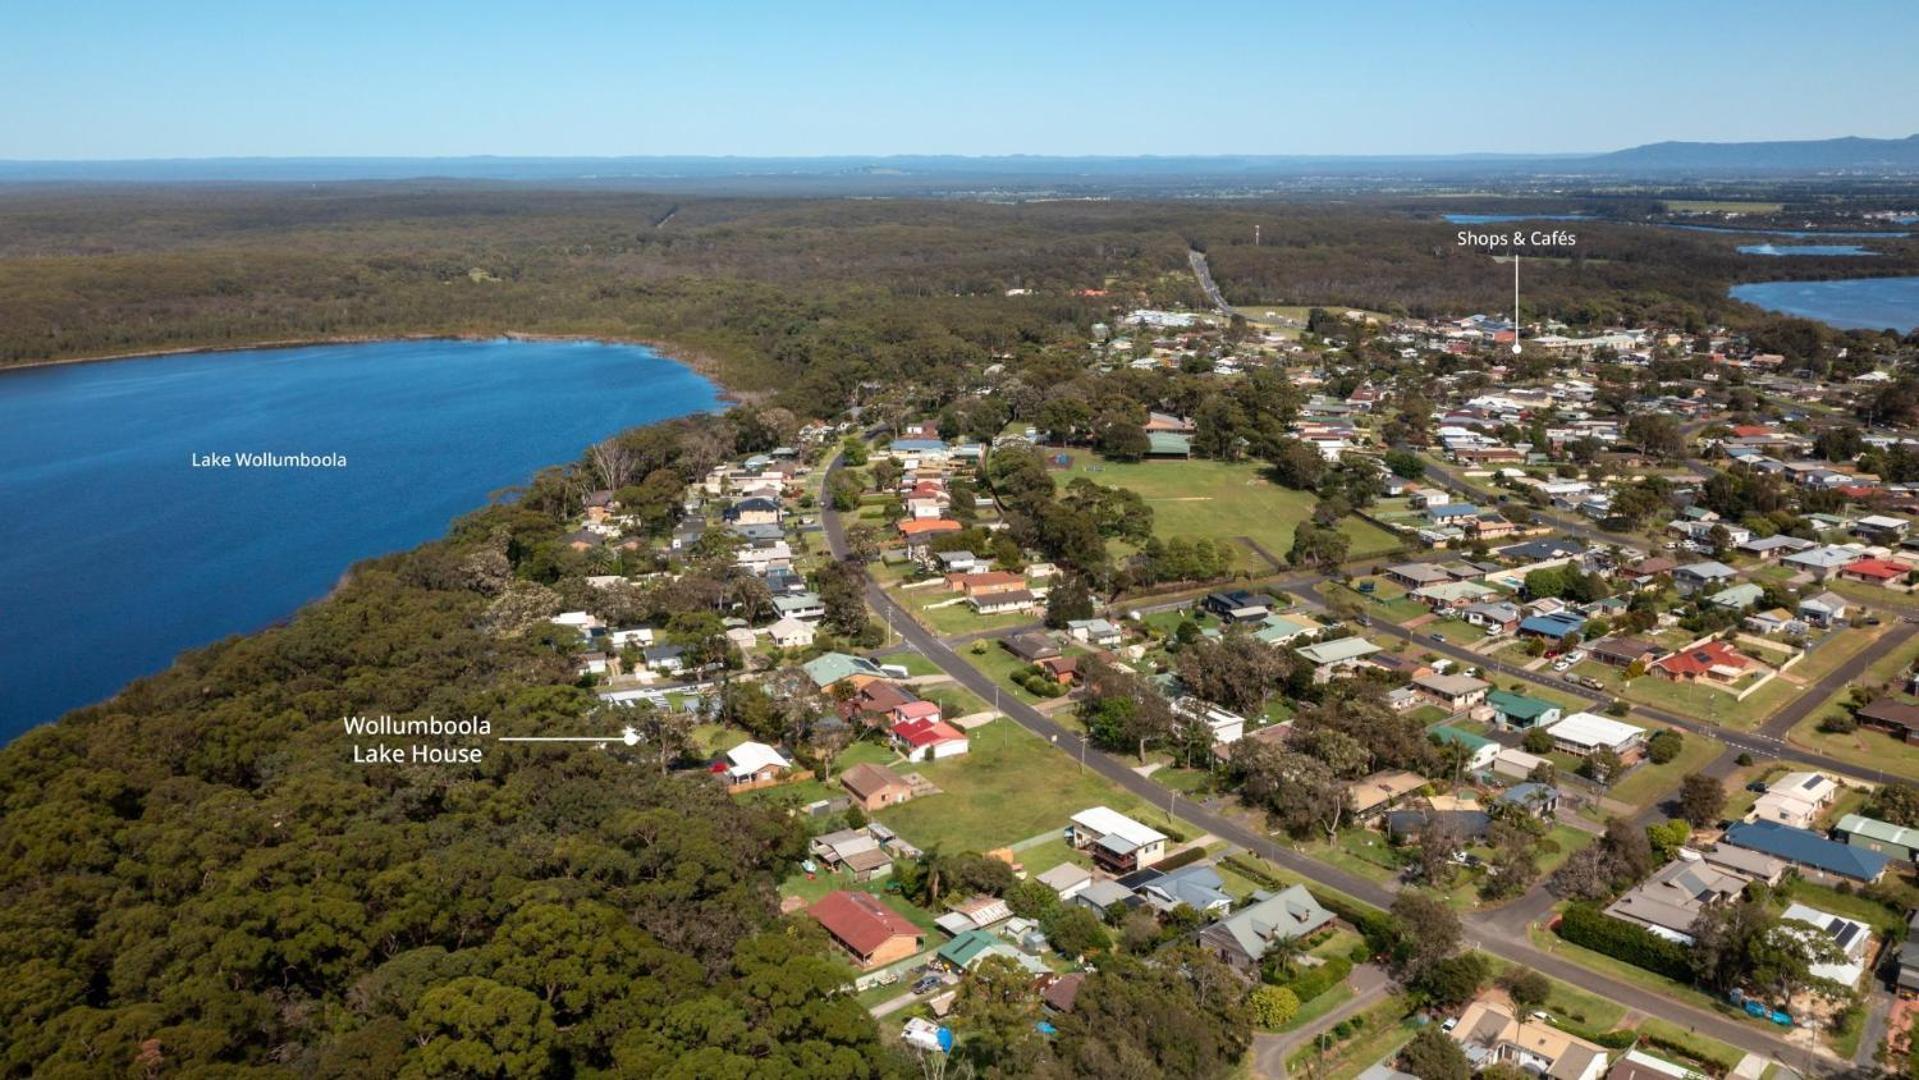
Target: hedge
x=1180, y=858
x=1317, y=980
x=1587, y=926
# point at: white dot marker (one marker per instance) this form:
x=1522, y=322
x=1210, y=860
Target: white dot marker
x=1515, y=347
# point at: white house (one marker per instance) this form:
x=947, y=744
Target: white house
x=791, y=633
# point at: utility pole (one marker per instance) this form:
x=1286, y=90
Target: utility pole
x=1255, y=236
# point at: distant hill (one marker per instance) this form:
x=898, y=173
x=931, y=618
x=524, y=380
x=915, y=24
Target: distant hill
x=935, y=174
x=1809, y=155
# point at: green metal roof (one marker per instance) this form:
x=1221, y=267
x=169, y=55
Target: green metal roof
x=964, y=949
x=1507, y=703
x=1448, y=733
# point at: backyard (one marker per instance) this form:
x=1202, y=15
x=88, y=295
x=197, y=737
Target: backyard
x=1009, y=787
x=1223, y=501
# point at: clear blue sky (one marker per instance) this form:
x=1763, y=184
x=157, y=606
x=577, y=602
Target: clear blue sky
x=198, y=78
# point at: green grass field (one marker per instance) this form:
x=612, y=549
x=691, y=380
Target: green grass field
x=1721, y=206
x=1649, y=781
x=1223, y=501
x=1009, y=787
x=1870, y=749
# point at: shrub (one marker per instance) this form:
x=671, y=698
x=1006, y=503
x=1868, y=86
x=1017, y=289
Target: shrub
x=1664, y=746
x=1839, y=723
x=1273, y=1006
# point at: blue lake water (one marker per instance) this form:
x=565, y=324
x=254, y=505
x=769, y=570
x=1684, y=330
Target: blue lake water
x=1803, y=249
x=1853, y=304
x=1797, y=234
x=116, y=553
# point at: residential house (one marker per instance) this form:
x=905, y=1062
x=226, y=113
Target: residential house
x=1770, y=548
x=1331, y=659
x=1004, y=603
x=1516, y=764
x=1714, y=661
x=875, y=787
x=1671, y=900
x=752, y=764
x=1239, y=605
x=1737, y=598
x=830, y=669
x=805, y=606
x=1105, y=896
x=1555, y=627
x=928, y=738
x=1623, y=652
x=1796, y=799
x=1280, y=630
x=958, y=562
x=1647, y=571
x=1067, y=879
x=1097, y=632
x=1874, y=571
x=1702, y=576
x=1584, y=734
x=974, y=913
x=1850, y=939
x=791, y=633
x=857, y=851
x=1825, y=610
x=1374, y=795
x=1418, y=575
x=1639, y=1065
x=1454, y=595
x=1892, y=716
x=1754, y=865
x=1822, y=562
x=1243, y=938
x=1893, y=841
x=1815, y=855
x=1031, y=646
x=1501, y=615
x=1518, y=711
x=1454, y=692
x=865, y=927
x=1198, y=886
x=1539, y=800
x=1489, y=1033
x=985, y=583
x=1118, y=843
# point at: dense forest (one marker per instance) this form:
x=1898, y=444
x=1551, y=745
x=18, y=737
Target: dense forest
x=809, y=295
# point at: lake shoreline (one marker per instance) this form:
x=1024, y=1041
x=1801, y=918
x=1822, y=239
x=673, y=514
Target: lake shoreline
x=701, y=363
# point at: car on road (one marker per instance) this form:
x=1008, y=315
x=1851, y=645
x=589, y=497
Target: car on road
x=1436, y=636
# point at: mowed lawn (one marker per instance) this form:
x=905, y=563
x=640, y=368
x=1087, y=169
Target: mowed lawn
x=1222, y=500
x=1011, y=786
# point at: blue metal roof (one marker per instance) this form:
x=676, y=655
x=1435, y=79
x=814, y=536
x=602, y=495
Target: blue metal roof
x=1451, y=510
x=1807, y=848
x=1558, y=624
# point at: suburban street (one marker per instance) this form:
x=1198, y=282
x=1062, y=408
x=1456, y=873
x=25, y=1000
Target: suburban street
x=1493, y=932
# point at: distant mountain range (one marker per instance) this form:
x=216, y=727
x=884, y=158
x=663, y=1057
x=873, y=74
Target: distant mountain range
x=1814, y=155
x=902, y=174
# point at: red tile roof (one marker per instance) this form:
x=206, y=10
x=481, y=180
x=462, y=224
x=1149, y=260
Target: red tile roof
x=923, y=526
x=1876, y=568
x=925, y=732
x=860, y=920
x=1703, y=658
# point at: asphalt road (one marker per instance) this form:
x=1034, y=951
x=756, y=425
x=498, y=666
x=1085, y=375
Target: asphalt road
x=1486, y=931
x=1205, y=275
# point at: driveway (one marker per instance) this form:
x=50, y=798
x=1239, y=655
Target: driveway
x=1271, y=1049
